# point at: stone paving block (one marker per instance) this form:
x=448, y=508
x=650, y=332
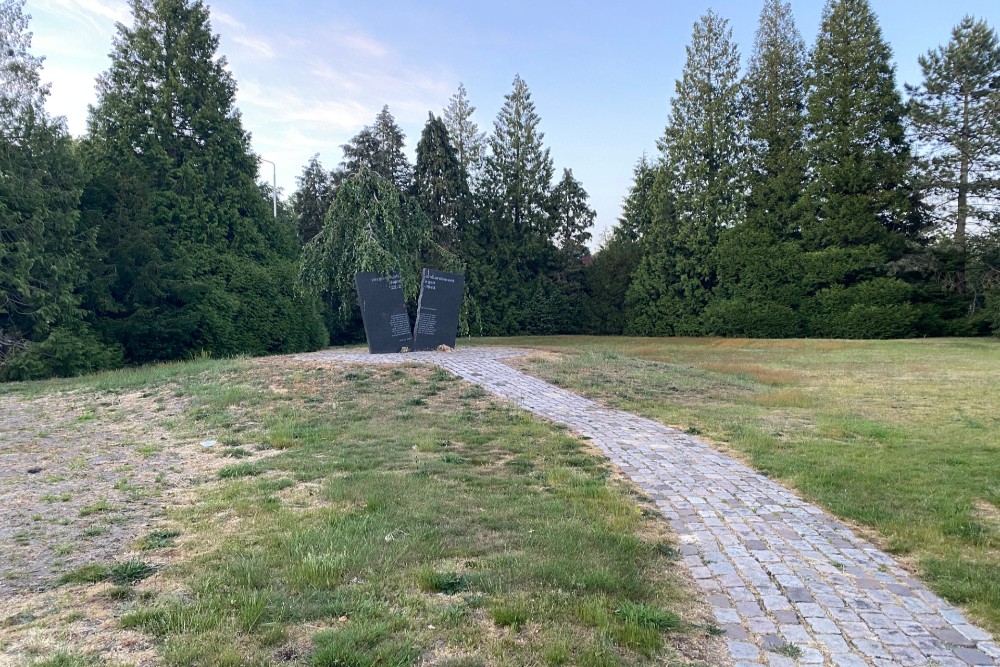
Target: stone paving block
x=823, y=626
x=893, y=637
x=951, y=636
x=973, y=656
x=833, y=643
x=795, y=634
x=810, y=656
x=810, y=610
x=761, y=626
x=973, y=633
x=743, y=650
x=724, y=616
x=872, y=648
x=786, y=617
x=908, y=656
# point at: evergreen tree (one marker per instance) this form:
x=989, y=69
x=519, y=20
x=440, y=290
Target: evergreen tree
x=196, y=259
x=774, y=100
x=440, y=184
x=636, y=218
x=759, y=278
x=380, y=147
x=469, y=142
x=698, y=189
x=573, y=217
x=955, y=115
x=573, y=220
x=858, y=210
x=512, y=239
x=608, y=278
x=43, y=245
x=313, y=198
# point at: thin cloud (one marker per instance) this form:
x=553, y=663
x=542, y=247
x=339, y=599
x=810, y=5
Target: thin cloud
x=362, y=44
x=226, y=19
x=258, y=45
x=295, y=108
x=90, y=11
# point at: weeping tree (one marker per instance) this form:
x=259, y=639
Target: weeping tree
x=371, y=226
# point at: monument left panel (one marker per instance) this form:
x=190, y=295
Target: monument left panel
x=383, y=309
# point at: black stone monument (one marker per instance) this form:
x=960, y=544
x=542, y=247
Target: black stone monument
x=437, y=310
x=383, y=309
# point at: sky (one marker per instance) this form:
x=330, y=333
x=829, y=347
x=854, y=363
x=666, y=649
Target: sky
x=312, y=74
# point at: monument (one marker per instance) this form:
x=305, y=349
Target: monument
x=383, y=310
x=438, y=309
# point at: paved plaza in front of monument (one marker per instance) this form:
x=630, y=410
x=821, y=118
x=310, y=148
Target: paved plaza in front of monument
x=777, y=570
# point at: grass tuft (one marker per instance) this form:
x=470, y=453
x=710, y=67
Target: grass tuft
x=643, y=615
x=90, y=573
x=240, y=470
x=130, y=572
x=448, y=583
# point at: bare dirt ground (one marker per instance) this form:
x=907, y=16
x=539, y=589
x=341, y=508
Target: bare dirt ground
x=83, y=476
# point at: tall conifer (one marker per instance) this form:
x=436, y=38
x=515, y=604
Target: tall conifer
x=468, y=141
x=43, y=245
x=955, y=115
x=380, y=147
x=758, y=260
x=698, y=190
x=197, y=261
x=513, y=246
x=441, y=184
x=858, y=210
x=312, y=199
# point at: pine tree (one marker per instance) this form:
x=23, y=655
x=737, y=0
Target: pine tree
x=197, y=260
x=380, y=147
x=440, y=184
x=955, y=115
x=698, y=190
x=469, y=142
x=513, y=235
x=43, y=244
x=759, y=277
x=858, y=202
x=312, y=199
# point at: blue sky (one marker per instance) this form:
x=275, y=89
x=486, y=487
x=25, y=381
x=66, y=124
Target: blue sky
x=312, y=74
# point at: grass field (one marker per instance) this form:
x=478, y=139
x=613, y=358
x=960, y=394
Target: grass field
x=365, y=517
x=901, y=437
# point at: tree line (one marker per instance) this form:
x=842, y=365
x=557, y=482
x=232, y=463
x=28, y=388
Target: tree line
x=804, y=197
x=807, y=197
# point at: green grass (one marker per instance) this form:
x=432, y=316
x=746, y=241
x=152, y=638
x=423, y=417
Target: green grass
x=124, y=573
x=899, y=436
x=399, y=517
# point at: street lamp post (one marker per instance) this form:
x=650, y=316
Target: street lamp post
x=274, y=184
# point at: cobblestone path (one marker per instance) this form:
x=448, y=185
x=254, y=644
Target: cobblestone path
x=778, y=572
